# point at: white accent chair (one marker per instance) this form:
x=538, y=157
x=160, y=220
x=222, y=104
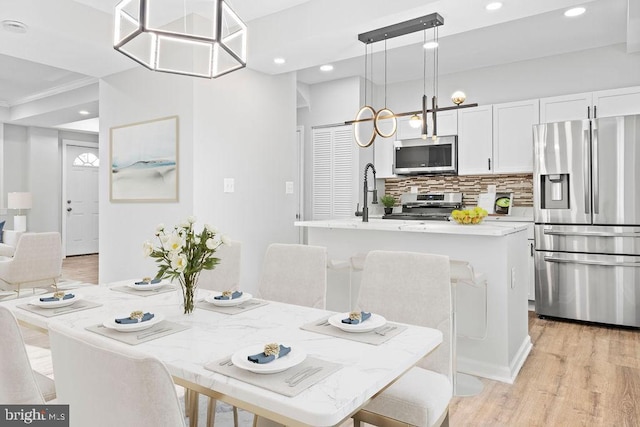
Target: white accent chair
x=411, y=288
x=9, y=242
x=225, y=276
x=36, y=263
x=294, y=274
x=19, y=384
x=106, y=387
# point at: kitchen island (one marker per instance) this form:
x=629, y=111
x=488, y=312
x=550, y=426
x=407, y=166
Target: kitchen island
x=496, y=351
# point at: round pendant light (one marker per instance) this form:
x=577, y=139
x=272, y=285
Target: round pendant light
x=365, y=117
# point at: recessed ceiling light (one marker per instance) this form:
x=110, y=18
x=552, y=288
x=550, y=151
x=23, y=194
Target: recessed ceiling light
x=430, y=45
x=494, y=6
x=576, y=11
x=84, y=112
x=14, y=26
x=327, y=67
x=279, y=61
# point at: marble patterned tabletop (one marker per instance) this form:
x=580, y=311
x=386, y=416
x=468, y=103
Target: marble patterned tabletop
x=211, y=336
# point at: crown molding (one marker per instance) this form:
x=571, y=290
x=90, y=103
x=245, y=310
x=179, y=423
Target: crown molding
x=77, y=84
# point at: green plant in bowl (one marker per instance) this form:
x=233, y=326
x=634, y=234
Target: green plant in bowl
x=388, y=201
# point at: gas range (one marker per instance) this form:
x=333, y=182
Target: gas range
x=427, y=206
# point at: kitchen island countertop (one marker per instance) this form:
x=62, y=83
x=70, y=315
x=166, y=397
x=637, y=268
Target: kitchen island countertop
x=436, y=227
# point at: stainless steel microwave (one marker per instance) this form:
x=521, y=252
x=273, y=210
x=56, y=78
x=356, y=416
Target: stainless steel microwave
x=426, y=156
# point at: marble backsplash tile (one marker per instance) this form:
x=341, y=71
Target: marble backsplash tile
x=521, y=185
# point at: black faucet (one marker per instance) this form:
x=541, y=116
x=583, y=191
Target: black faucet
x=365, y=208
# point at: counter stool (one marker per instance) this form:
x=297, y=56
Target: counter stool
x=468, y=289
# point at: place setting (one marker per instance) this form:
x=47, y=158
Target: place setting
x=145, y=287
x=58, y=303
x=286, y=368
x=136, y=327
x=230, y=302
x=361, y=326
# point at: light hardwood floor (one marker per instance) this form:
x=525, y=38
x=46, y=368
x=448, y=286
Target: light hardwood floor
x=576, y=375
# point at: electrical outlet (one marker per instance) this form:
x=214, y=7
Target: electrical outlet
x=229, y=184
x=513, y=277
x=288, y=187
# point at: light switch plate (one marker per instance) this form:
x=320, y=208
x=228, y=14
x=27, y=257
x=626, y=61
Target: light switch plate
x=229, y=184
x=288, y=187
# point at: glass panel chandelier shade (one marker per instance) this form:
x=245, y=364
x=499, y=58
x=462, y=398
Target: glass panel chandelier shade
x=197, y=38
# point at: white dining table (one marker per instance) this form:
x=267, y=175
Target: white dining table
x=365, y=370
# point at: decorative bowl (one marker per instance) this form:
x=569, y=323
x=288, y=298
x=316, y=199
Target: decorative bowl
x=469, y=216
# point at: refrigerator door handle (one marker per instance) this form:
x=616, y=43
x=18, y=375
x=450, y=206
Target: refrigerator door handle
x=596, y=173
x=585, y=168
x=591, y=233
x=599, y=263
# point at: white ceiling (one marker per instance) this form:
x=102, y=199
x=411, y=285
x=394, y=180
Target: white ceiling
x=68, y=45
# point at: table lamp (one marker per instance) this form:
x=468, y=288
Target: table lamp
x=19, y=201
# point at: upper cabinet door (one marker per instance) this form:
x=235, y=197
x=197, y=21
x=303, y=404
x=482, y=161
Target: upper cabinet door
x=405, y=131
x=447, y=125
x=513, y=136
x=475, y=135
x=566, y=107
x=617, y=102
x=383, y=155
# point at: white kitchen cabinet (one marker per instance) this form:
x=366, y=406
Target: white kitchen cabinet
x=617, y=102
x=603, y=103
x=447, y=125
x=513, y=136
x=475, y=140
x=383, y=157
x=566, y=107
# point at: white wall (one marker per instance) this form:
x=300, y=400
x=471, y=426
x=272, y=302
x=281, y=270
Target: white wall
x=44, y=180
x=245, y=129
x=589, y=70
x=239, y=126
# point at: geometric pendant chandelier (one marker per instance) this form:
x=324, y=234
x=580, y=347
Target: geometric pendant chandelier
x=191, y=37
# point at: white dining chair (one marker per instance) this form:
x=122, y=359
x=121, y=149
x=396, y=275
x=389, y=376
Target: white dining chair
x=108, y=386
x=225, y=276
x=19, y=384
x=294, y=274
x=411, y=288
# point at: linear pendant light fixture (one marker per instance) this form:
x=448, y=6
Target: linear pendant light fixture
x=189, y=37
x=419, y=118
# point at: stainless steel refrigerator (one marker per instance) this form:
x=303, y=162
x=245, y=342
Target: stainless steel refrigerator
x=587, y=220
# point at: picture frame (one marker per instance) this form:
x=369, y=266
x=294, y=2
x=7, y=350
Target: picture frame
x=143, y=158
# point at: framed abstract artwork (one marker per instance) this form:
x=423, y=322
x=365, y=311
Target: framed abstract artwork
x=144, y=161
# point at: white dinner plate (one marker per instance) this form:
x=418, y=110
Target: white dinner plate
x=55, y=304
x=375, y=321
x=149, y=287
x=131, y=327
x=295, y=357
x=227, y=302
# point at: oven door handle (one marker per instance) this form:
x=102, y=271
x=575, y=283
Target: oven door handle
x=591, y=233
x=598, y=263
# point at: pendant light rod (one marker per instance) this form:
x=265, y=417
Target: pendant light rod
x=402, y=28
x=411, y=113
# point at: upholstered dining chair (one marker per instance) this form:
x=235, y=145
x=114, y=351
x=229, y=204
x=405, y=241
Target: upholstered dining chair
x=108, y=387
x=37, y=262
x=19, y=384
x=411, y=288
x=294, y=274
x=225, y=276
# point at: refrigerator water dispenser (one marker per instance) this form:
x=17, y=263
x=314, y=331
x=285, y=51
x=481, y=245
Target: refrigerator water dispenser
x=555, y=191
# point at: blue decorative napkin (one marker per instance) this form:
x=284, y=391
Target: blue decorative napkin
x=356, y=317
x=135, y=318
x=52, y=299
x=226, y=296
x=148, y=282
x=271, y=353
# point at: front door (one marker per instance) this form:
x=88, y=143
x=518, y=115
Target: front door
x=81, y=201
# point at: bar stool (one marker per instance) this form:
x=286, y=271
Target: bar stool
x=467, y=287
